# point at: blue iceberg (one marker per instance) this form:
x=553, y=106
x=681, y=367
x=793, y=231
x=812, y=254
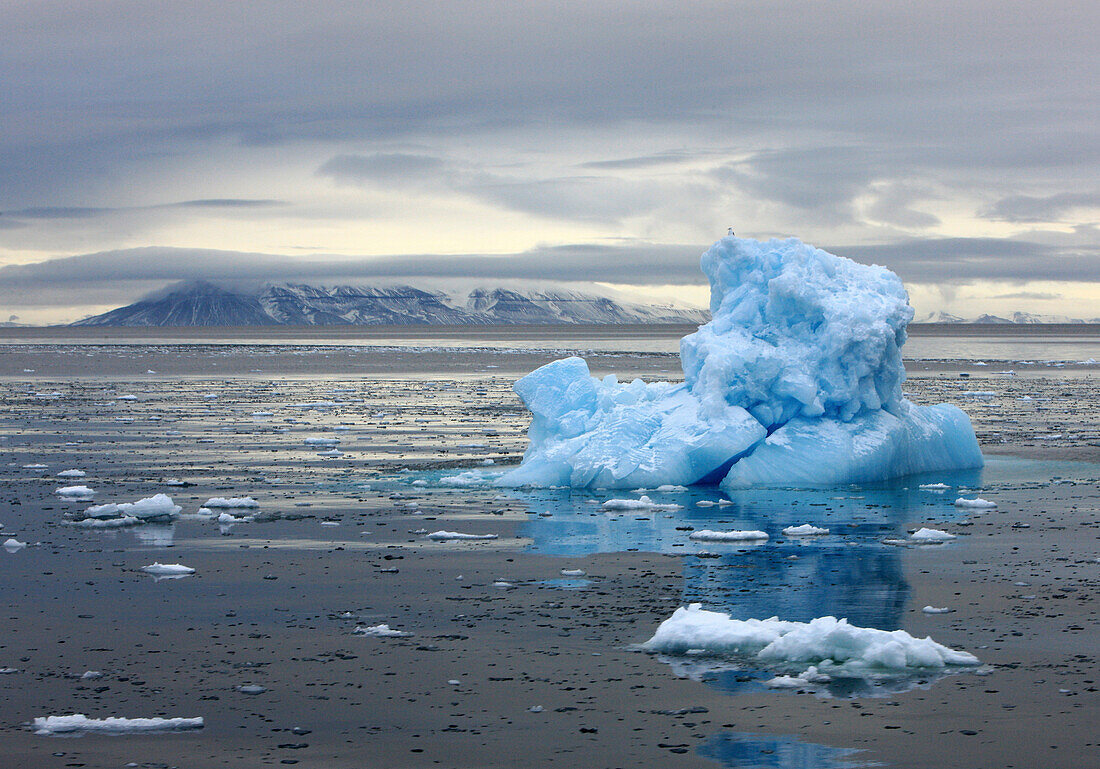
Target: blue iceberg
x=797, y=380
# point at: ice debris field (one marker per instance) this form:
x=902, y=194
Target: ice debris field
x=797, y=379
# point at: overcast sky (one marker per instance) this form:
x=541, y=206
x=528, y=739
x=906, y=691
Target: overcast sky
x=146, y=142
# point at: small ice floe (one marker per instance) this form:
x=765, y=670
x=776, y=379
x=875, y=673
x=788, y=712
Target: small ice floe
x=832, y=645
x=230, y=502
x=106, y=523
x=934, y=486
x=572, y=572
x=174, y=482
x=502, y=584
x=71, y=474
x=35, y=466
x=12, y=545
x=535, y=709
x=75, y=493
x=642, y=503
x=167, y=569
x=446, y=535
x=263, y=413
x=706, y=535
x=936, y=610
x=330, y=523
x=77, y=723
x=91, y=675
x=321, y=441
x=158, y=508
x=126, y=398
x=419, y=482
x=252, y=689
x=379, y=631
x=228, y=519
x=670, y=487
x=930, y=535
x=805, y=530
x=976, y=503
x=467, y=478
x=809, y=677
x=331, y=453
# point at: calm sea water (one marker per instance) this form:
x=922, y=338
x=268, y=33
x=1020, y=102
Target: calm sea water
x=1069, y=343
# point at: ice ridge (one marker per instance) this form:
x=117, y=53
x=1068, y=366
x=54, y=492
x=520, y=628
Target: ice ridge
x=796, y=380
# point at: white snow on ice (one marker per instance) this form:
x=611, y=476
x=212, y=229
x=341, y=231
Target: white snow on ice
x=706, y=535
x=112, y=725
x=832, y=645
x=805, y=530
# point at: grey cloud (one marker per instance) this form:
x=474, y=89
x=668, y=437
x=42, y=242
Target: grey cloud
x=946, y=260
x=941, y=261
x=89, y=212
x=383, y=167
x=1017, y=93
x=1035, y=295
x=1024, y=208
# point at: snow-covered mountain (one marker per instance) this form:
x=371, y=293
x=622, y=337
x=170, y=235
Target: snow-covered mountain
x=1016, y=319
x=204, y=304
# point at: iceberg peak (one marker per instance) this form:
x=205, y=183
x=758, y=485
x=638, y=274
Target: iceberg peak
x=795, y=380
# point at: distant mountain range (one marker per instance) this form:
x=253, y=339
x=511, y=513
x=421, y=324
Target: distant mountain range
x=1017, y=318
x=205, y=304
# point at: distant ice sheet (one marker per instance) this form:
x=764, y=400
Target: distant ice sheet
x=795, y=381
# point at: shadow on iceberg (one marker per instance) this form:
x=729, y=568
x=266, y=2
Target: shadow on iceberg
x=795, y=381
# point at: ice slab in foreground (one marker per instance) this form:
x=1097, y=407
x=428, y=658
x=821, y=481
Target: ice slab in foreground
x=795, y=381
x=830, y=644
x=112, y=725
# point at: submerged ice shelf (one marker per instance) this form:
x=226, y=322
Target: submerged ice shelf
x=796, y=380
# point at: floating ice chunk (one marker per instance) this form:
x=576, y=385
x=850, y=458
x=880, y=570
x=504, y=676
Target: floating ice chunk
x=502, y=584
x=158, y=507
x=321, y=441
x=231, y=502
x=330, y=453
x=670, y=487
x=126, y=398
x=380, y=631
x=805, y=530
x=828, y=643
x=35, y=466
x=11, y=544
x=572, y=572
x=112, y=725
x=977, y=503
x=71, y=474
x=468, y=478
x=75, y=492
x=252, y=689
x=934, y=486
x=796, y=380
x=91, y=675
x=936, y=610
x=809, y=677
x=706, y=535
x=167, y=569
x=106, y=523
x=931, y=535
x=445, y=535
x=228, y=519
x=642, y=503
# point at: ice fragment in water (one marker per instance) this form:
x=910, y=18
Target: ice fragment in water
x=796, y=380
x=112, y=725
x=977, y=503
x=826, y=642
x=167, y=569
